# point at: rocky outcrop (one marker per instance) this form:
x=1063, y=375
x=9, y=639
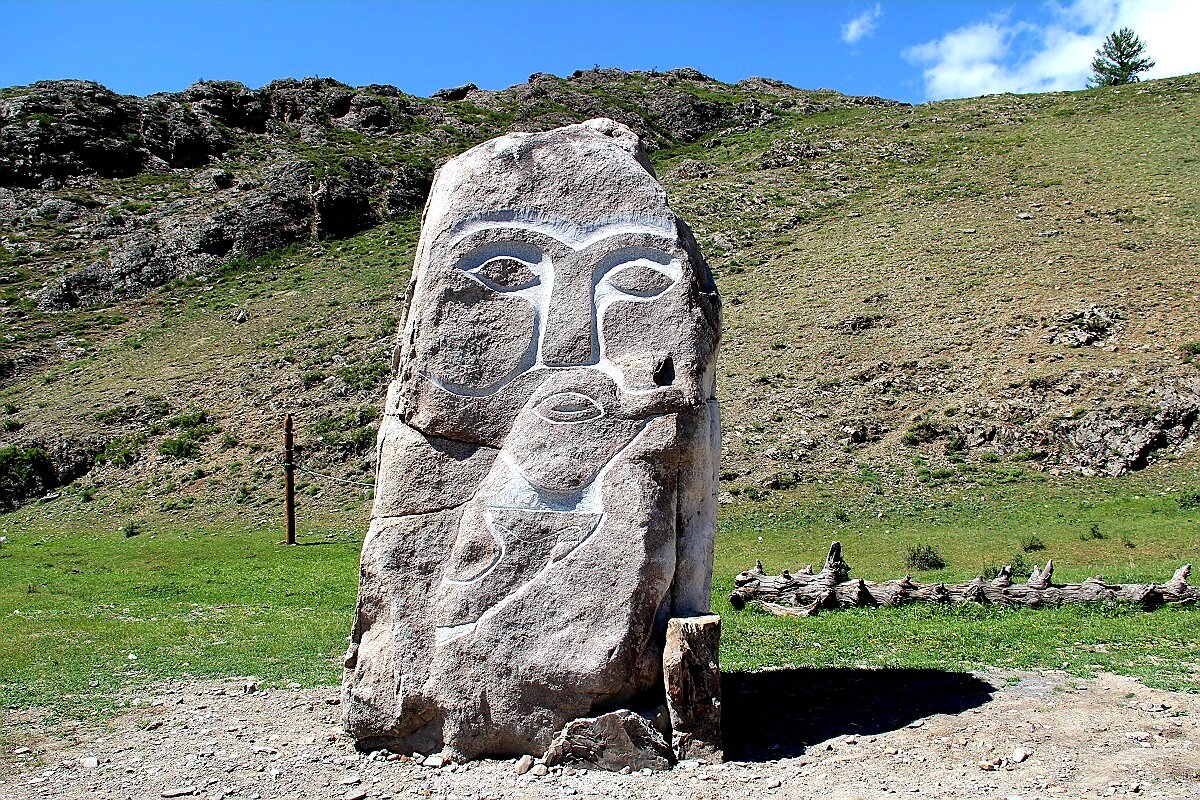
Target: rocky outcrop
x=290, y=203
x=1044, y=423
x=1127, y=437
x=295, y=159
x=546, y=486
x=58, y=129
x=31, y=469
x=1093, y=325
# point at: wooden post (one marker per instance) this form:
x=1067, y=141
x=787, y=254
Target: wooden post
x=289, y=482
x=692, y=677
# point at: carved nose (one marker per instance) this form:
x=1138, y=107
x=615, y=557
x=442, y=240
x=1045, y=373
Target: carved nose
x=570, y=333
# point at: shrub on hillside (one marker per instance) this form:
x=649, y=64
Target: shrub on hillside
x=923, y=557
x=121, y=451
x=1020, y=569
x=921, y=432
x=194, y=428
x=24, y=472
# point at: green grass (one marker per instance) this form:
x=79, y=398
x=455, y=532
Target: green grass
x=974, y=529
x=211, y=601
x=22, y=469
x=193, y=594
x=974, y=525
x=1159, y=648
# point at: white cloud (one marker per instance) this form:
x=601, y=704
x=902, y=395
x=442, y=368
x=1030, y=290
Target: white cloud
x=861, y=26
x=1005, y=55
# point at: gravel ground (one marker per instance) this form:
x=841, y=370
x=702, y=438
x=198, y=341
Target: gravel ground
x=999, y=735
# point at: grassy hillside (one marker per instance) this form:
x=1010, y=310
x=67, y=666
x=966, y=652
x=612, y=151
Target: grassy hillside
x=959, y=324
x=966, y=292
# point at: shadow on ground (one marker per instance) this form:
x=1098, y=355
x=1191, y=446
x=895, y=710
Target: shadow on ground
x=780, y=713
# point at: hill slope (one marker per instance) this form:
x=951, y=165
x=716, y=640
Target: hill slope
x=917, y=299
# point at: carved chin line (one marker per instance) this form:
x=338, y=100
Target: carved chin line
x=588, y=499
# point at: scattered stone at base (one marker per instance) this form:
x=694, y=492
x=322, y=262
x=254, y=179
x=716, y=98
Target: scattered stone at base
x=611, y=742
x=89, y=762
x=524, y=764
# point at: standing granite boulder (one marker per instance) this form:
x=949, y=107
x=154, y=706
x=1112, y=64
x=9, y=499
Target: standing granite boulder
x=546, y=488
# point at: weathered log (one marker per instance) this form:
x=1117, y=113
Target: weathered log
x=803, y=594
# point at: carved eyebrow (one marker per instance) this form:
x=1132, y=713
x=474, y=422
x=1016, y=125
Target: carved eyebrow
x=577, y=237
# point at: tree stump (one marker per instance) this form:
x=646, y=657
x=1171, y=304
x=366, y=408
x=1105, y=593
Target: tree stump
x=692, y=675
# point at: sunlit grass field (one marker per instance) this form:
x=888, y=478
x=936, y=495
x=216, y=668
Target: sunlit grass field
x=90, y=616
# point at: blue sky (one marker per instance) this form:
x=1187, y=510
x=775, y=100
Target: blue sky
x=911, y=51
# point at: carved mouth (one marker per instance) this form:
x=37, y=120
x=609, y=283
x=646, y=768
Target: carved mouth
x=567, y=408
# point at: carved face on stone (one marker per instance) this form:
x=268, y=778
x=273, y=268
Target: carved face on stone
x=546, y=486
x=573, y=262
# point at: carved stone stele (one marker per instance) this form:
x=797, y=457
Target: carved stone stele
x=546, y=490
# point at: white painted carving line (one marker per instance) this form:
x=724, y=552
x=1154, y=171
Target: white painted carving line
x=511, y=595
x=577, y=237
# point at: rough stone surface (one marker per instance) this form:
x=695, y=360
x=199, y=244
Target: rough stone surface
x=613, y=741
x=692, y=676
x=546, y=489
x=1117, y=440
x=49, y=463
x=291, y=204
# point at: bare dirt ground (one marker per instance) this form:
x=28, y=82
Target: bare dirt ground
x=792, y=734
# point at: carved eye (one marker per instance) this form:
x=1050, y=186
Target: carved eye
x=640, y=278
x=506, y=274
x=565, y=407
